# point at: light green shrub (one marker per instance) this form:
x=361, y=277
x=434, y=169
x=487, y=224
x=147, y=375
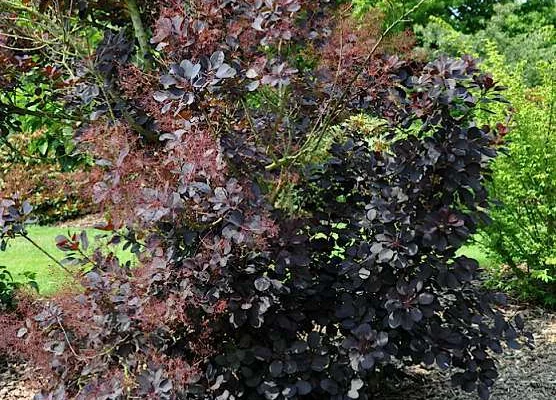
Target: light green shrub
x=520, y=37
x=523, y=234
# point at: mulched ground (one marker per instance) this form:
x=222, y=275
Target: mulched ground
x=87, y=221
x=14, y=384
x=524, y=374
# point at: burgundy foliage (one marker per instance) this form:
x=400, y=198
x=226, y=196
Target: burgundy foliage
x=233, y=297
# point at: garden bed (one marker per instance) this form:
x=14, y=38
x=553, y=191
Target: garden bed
x=524, y=374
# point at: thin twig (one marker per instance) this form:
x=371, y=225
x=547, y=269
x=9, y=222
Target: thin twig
x=26, y=49
x=81, y=358
x=46, y=253
x=325, y=117
x=37, y=113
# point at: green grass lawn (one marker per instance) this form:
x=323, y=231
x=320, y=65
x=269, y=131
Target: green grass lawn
x=475, y=251
x=22, y=256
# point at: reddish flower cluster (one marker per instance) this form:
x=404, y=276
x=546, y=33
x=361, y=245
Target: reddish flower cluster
x=20, y=338
x=139, y=88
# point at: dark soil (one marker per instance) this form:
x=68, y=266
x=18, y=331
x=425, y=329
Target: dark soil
x=88, y=221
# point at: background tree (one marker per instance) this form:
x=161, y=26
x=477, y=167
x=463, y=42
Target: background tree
x=516, y=46
x=466, y=16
